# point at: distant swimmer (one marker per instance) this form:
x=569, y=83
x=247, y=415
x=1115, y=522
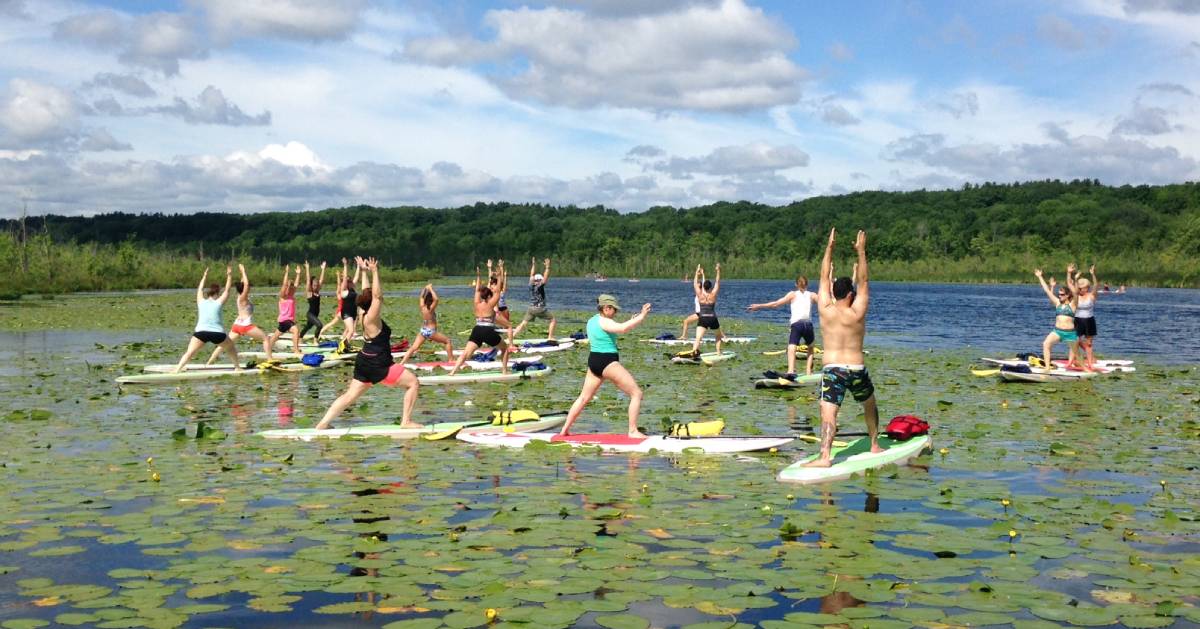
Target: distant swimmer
x=801, y=327
x=427, y=301
x=243, y=325
x=209, y=329
x=374, y=364
x=843, y=310
x=706, y=296
x=484, y=332
x=604, y=362
x=537, y=299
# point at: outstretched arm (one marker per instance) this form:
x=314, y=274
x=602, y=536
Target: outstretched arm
x=772, y=304
x=372, y=265
x=283, y=284
x=1071, y=277
x=863, y=292
x=477, y=285
x=696, y=280
x=345, y=284
x=321, y=279
x=825, y=290
x=608, y=325
x=433, y=294
x=1095, y=286
x=532, y=269
x=245, y=281
x=307, y=279
x=717, y=282
x=546, y=271
x=200, y=288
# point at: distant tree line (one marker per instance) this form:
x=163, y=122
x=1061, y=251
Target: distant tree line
x=987, y=232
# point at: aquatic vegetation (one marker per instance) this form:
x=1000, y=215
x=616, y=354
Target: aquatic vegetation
x=1072, y=503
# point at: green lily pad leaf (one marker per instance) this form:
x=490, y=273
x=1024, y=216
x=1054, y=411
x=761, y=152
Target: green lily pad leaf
x=76, y=619
x=24, y=623
x=1147, y=622
x=465, y=620
x=718, y=624
x=415, y=623
x=57, y=551
x=345, y=608
x=8, y=569
x=623, y=621
x=978, y=619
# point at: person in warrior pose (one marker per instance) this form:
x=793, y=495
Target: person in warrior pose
x=208, y=320
x=484, y=332
x=537, y=299
x=374, y=363
x=243, y=325
x=427, y=301
x=313, y=293
x=706, y=294
x=801, y=301
x=287, y=312
x=1085, y=317
x=604, y=362
x=843, y=310
x=1065, y=301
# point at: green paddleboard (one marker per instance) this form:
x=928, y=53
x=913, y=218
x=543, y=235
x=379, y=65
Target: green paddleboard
x=855, y=458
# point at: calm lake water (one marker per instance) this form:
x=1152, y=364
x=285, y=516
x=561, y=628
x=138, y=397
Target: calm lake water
x=1155, y=323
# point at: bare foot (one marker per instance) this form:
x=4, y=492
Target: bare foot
x=818, y=463
x=323, y=426
x=636, y=434
x=564, y=433
x=452, y=372
x=411, y=424
x=875, y=449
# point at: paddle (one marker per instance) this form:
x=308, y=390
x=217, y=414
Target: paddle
x=499, y=418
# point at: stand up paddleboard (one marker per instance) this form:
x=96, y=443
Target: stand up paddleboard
x=396, y=432
x=209, y=372
x=477, y=365
x=624, y=443
x=707, y=358
x=1035, y=374
x=855, y=458
x=486, y=376
x=707, y=339
x=801, y=381
x=1118, y=365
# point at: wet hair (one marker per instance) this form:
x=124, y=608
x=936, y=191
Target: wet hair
x=364, y=299
x=427, y=297
x=212, y=290
x=239, y=287
x=485, y=293
x=707, y=284
x=842, y=286
x=801, y=281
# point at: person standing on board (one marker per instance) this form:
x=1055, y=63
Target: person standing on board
x=349, y=298
x=1085, y=318
x=208, y=321
x=843, y=326
x=313, y=293
x=1065, y=301
x=604, y=363
x=243, y=325
x=537, y=298
x=801, y=329
x=484, y=332
x=706, y=297
x=428, y=301
x=337, y=301
x=695, y=316
x=374, y=363
x=287, y=312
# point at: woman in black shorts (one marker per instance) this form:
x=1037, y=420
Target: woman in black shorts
x=208, y=323
x=706, y=294
x=485, y=332
x=374, y=363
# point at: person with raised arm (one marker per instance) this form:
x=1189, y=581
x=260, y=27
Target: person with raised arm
x=484, y=332
x=374, y=363
x=801, y=327
x=337, y=300
x=209, y=328
x=313, y=293
x=1085, y=317
x=349, y=313
x=427, y=302
x=537, y=298
x=706, y=294
x=843, y=310
x=243, y=325
x=604, y=362
x=1065, y=301
x=287, y=312
x=503, y=318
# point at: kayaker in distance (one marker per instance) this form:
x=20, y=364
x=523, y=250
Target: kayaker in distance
x=374, y=363
x=537, y=298
x=801, y=327
x=843, y=326
x=209, y=328
x=604, y=362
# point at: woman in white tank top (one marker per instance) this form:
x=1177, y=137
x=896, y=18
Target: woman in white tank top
x=801, y=327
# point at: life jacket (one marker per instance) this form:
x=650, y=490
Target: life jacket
x=905, y=427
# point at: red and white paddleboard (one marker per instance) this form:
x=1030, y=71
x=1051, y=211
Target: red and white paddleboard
x=624, y=443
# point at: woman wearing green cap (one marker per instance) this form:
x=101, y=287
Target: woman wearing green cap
x=604, y=362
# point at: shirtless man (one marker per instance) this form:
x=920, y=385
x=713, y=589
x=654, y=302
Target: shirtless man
x=843, y=325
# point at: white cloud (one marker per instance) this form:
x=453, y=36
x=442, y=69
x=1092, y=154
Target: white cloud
x=157, y=41
x=124, y=83
x=101, y=140
x=745, y=160
x=33, y=113
x=1144, y=120
x=211, y=107
x=701, y=57
x=14, y=8
x=837, y=115
x=311, y=20
x=634, y=7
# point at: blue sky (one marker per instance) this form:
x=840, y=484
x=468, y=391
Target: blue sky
x=303, y=104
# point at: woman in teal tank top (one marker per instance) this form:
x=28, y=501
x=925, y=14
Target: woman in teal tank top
x=208, y=320
x=604, y=362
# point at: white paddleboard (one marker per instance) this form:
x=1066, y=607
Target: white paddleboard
x=394, y=431
x=855, y=458
x=485, y=376
x=801, y=381
x=708, y=358
x=623, y=443
x=203, y=374
x=1043, y=375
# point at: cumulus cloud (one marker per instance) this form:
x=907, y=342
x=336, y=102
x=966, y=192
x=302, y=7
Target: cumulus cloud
x=633, y=7
x=643, y=151
x=102, y=140
x=1185, y=7
x=124, y=83
x=1061, y=33
x=959, y=104
x=310, y=20
x=1168, y=88
x=14, y=8
x=157, y=41
x=699, y=56
x=742, y=161
x=1113, y=159
x=1144, y=120
x=837, y=115
x=34, y=114
x=211, y=107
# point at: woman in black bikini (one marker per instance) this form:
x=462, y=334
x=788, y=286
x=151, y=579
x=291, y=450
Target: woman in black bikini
x=706, y=294
x=484, y=332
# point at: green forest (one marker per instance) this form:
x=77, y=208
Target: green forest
x=1138, y=235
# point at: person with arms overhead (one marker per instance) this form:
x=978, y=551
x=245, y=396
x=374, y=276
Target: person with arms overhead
x=801, y=327
x=208, y=321
x=1065, y=301
x=604, y=362
x=537, y=298
x=706, y=294
x=484, y=332
x=243, y=325
x=313, y=293
x=287, y=312
x=428, y=301
x=843, y=326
